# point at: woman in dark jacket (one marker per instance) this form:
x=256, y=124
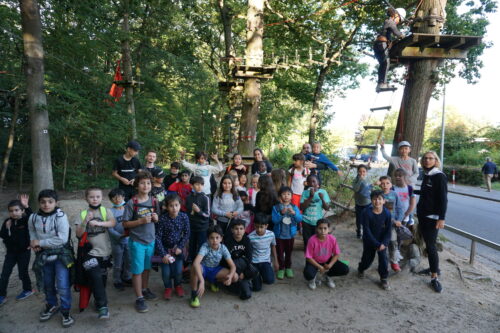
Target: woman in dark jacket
x=431, y=211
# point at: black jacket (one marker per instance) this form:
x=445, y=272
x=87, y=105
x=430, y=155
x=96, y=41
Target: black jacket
x=18, y=239
x=198, y=221
x=433, y=194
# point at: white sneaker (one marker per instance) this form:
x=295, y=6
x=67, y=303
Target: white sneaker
x=330, y=283
x=312, y=284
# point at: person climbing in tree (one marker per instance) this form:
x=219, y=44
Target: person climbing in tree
x=383, y=44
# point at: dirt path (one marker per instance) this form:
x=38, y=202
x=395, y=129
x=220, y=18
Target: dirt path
x=353, y=306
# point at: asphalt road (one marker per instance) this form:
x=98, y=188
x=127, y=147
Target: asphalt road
x=478, y=217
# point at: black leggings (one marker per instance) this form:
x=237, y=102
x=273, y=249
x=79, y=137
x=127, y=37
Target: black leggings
x=427, y=228
x=97, y=276
x=338, y=269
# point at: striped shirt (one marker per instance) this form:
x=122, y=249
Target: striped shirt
x=261, y=246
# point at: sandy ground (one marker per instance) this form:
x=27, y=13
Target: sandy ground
x=353, y=306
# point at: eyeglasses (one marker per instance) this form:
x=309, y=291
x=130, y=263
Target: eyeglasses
x=428, y=158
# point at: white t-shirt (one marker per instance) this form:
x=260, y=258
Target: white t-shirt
x=298, y=179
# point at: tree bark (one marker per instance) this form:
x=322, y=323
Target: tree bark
x=10, y=142
x=37, y=101
x=422, y=79
x=316, y=107
x=127, y=69
x=254, y=56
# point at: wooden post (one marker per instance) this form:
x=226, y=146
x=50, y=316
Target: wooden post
x=422, y=79
x=37, y=100
x=254, y=56
x=10, y=142
x=472, y=252
x=127, y=69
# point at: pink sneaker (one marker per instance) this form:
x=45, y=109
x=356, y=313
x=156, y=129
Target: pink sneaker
x=179, y=291
x=395, y=267
x=168, y=293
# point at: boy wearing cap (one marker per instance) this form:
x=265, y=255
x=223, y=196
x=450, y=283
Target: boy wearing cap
x=158, y=189
x=403, y=161
x=126, y=167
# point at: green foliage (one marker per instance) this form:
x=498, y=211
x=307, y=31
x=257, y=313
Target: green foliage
x=464, y=174
x=281, y=157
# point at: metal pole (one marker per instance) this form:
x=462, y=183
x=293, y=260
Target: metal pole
x=441, y=155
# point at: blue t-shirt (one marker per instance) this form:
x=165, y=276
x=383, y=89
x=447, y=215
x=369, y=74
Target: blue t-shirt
x=314, y=212
x=211, y=257
x=393, y=204
x=261, y=246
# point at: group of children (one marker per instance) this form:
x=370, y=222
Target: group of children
x=235, y=236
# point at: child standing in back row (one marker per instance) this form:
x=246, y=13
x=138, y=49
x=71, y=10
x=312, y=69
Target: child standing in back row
x=314, y=200
x=139, y=217
x=49, y=238
x=182, y=188
x=202, y=168
x=377, y=226
x=298, y=176
x=361, y=188
x=227, y=204
x=285, y=217
x=16, y=237
x=198, y=210
x=96, y=221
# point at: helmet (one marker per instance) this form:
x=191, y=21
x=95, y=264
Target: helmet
x=401, y=13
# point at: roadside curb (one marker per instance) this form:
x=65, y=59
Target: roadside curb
x=471, y=195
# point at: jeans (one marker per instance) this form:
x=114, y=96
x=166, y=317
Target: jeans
x=367, y=259
x=284, y=248
x=172, y=271
x=196, y=239
x=382, y=55
x=121, y=262
x=359, y=210
x=98, y=277
x=427, y=228
x=338, y=269
x=22, y=259
x=266, y=275
x=56, y=281
x=307, y=232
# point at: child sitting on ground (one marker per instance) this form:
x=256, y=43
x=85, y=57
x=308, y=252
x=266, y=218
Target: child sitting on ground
x=393, y=204
x=139, y=217
x=285, y=217
x=313, y=201
x=198, y=210
x=361, y=188
x=298, y=176
x=227, y=204
x=182, y=188
x=119, y=242
x=377, y=226
x=206, y=266
x=238, y=244
x=322, y=254
x=263, y=248
x=50, y=236
x=95, y=221
x=172, y=235
x=16, y=238
x=202, y=168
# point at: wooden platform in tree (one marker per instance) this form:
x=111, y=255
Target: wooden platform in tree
x=430, y=46
x=256, y=72
x=228, y=85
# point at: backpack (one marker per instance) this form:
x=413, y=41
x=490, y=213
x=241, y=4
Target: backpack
x=136, y=206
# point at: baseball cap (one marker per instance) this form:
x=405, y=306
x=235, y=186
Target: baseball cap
x=134, y=145
x=158, y=173
x=404, y=143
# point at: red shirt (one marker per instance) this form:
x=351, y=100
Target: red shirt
x=183, y=190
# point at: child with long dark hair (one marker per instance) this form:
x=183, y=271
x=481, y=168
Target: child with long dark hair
x=227, y=204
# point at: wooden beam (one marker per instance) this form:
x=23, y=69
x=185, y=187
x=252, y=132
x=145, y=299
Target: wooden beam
x=416, y=53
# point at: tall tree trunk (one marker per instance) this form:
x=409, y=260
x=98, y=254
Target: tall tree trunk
x=37, y=101
x=422, y=79
x=10, y=142
x=254, y=56
x=317, y=108
x=127, y=69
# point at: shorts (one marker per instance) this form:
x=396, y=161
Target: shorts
x=140, y=256
x=210, y=273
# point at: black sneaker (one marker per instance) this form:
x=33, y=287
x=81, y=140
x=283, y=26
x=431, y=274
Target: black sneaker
x=127, y=283
x=119, y=286
x=361, y=275
x=427, y=271
x=48, y=312
x=436, y=285
x=67, y=320
x=149, y=295
x=140, y=305
x=103, y=313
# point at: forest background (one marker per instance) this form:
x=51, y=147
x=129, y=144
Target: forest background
x=176, y=50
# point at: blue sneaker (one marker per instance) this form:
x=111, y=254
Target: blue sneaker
x=3, y=300
x=24, y=294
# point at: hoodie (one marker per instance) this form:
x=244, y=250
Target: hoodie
x=433, y=193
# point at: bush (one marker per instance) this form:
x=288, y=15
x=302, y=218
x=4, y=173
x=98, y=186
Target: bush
x=281, y=157
x=464, y=174
x=467, y=156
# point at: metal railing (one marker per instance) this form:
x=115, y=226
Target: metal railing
x=474, y=239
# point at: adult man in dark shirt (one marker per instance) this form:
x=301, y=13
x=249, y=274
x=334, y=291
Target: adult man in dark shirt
x=489, y=170
x=150, y=162
x=126, y=167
